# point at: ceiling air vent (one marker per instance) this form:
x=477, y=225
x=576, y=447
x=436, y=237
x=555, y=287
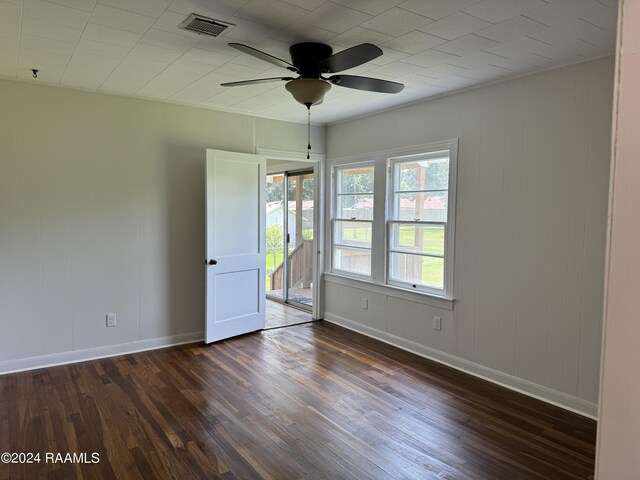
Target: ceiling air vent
x=204, y=25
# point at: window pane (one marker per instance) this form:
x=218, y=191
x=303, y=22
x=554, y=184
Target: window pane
x=418, y=238
x=355, y=234
x=350, y=260
x=355, y=180
x=417, y=270
x=427, y=207
x=432, y=174
x=358, y=207
x=275, y=235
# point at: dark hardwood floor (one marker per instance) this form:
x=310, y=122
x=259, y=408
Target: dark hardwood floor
x=313, y=401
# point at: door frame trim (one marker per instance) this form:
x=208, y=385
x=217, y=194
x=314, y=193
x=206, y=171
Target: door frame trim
x=318, y=161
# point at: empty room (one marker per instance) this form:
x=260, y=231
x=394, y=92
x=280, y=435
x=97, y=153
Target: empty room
x=319, y=239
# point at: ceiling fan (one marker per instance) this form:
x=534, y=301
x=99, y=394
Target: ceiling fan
x=311, y=61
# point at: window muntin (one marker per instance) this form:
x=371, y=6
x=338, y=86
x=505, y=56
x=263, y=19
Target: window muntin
x=352, y=223
x=418, y=221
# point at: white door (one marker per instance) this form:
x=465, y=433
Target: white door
x=235, y=244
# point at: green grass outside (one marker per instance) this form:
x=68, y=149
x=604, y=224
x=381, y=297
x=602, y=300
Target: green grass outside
x=362, y=234
x=433, y=238
x=433, y=243
x=432, y=272
x=271, y=265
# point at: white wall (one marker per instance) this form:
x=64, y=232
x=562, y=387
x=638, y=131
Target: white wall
x=102, y=210
x=619, y=416
x=530, y=231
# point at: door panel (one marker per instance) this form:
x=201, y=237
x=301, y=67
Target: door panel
x=237, y=198
x=235, y=279
x=226, y=287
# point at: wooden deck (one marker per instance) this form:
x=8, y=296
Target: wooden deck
x=280, y=315
x=313, y=402
x=300, y=295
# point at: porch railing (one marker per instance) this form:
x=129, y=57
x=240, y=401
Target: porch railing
x=300, y=266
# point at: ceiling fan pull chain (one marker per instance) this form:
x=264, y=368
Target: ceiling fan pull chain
x=308, y=131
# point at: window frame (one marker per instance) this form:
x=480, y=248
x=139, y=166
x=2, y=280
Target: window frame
x=377, y=281
x=334, y=218
x=426, y=152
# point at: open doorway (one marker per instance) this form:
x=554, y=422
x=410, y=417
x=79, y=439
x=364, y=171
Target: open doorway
x=290, y=233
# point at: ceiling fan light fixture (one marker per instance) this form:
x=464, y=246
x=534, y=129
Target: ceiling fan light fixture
x=308, y=91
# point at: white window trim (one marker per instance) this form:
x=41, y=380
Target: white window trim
x=378, y=277
x=391, y=291
x=334, y=217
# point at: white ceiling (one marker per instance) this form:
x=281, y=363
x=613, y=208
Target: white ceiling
x=133, y=47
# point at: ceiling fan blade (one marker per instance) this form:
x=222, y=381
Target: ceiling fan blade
x=349, y=58
x=366, y=83
x=255, y=81
x=278, y=62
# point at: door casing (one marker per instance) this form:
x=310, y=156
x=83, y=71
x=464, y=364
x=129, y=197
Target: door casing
x=291, y=162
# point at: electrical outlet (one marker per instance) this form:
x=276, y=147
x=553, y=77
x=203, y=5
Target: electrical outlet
x=365, y=304
x=112, y=320
x=437, y=323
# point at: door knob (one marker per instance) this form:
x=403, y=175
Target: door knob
x=213, y=262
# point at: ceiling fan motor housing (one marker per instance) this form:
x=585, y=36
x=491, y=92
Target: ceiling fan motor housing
x=307, y=57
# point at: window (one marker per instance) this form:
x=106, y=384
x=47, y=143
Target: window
x=408, y=241
x=417, y=224
x=352, y=219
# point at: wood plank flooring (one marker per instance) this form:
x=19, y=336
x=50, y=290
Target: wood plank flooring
x=308, y=402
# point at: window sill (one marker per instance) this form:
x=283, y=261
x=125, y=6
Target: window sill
x=392, y=291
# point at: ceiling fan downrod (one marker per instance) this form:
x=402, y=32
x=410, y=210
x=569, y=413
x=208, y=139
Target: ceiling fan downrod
x=308, y=130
